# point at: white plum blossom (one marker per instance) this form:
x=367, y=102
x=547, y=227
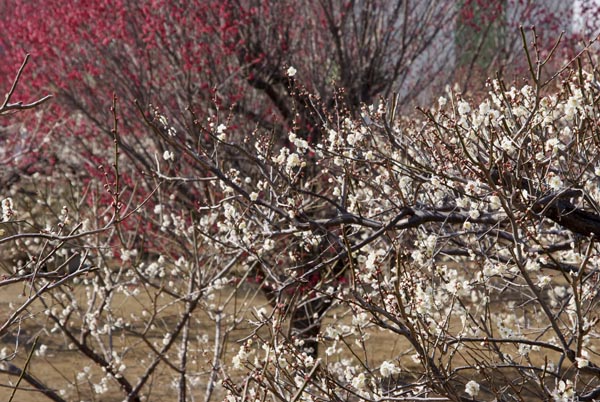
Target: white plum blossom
x=221, y=132
x=168, y=155
x=484, y=108
x=282, y=157
x=239, y=359
x=293, y=161
x=300, y=143
x=495, y=203
x=463, y=202
x=472, y=388
x=463, y=108
x=360, y=319
x=41, y=351
x=8, y=209
x=268, y=245
x=553, y=145
x=388, y=369
x=359, y=381
x=291, y=71
x=332, y=350
x=564, y=392
x=554, y=182
x=532, y=265
x=164, y=123
x=507, y=145
x=474, y=212
x=571, y=108
x=544, y=280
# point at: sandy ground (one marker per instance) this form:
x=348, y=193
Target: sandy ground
x=60, y=365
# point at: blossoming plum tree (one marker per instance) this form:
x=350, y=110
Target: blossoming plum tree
x=39, y=260
x=469, y=233
x=236, y=264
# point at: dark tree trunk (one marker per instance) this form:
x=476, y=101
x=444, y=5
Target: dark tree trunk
x=306, y=323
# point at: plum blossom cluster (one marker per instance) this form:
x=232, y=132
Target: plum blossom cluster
x=481, y=206
x=8, y=211
x=271, y=268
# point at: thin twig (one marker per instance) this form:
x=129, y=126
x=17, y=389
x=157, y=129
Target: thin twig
x=14, y=391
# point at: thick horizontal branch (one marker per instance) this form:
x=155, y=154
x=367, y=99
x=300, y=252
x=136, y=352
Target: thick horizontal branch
x=419, y=217
x=558, y=208
x=507, y=340
x=407, y=218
